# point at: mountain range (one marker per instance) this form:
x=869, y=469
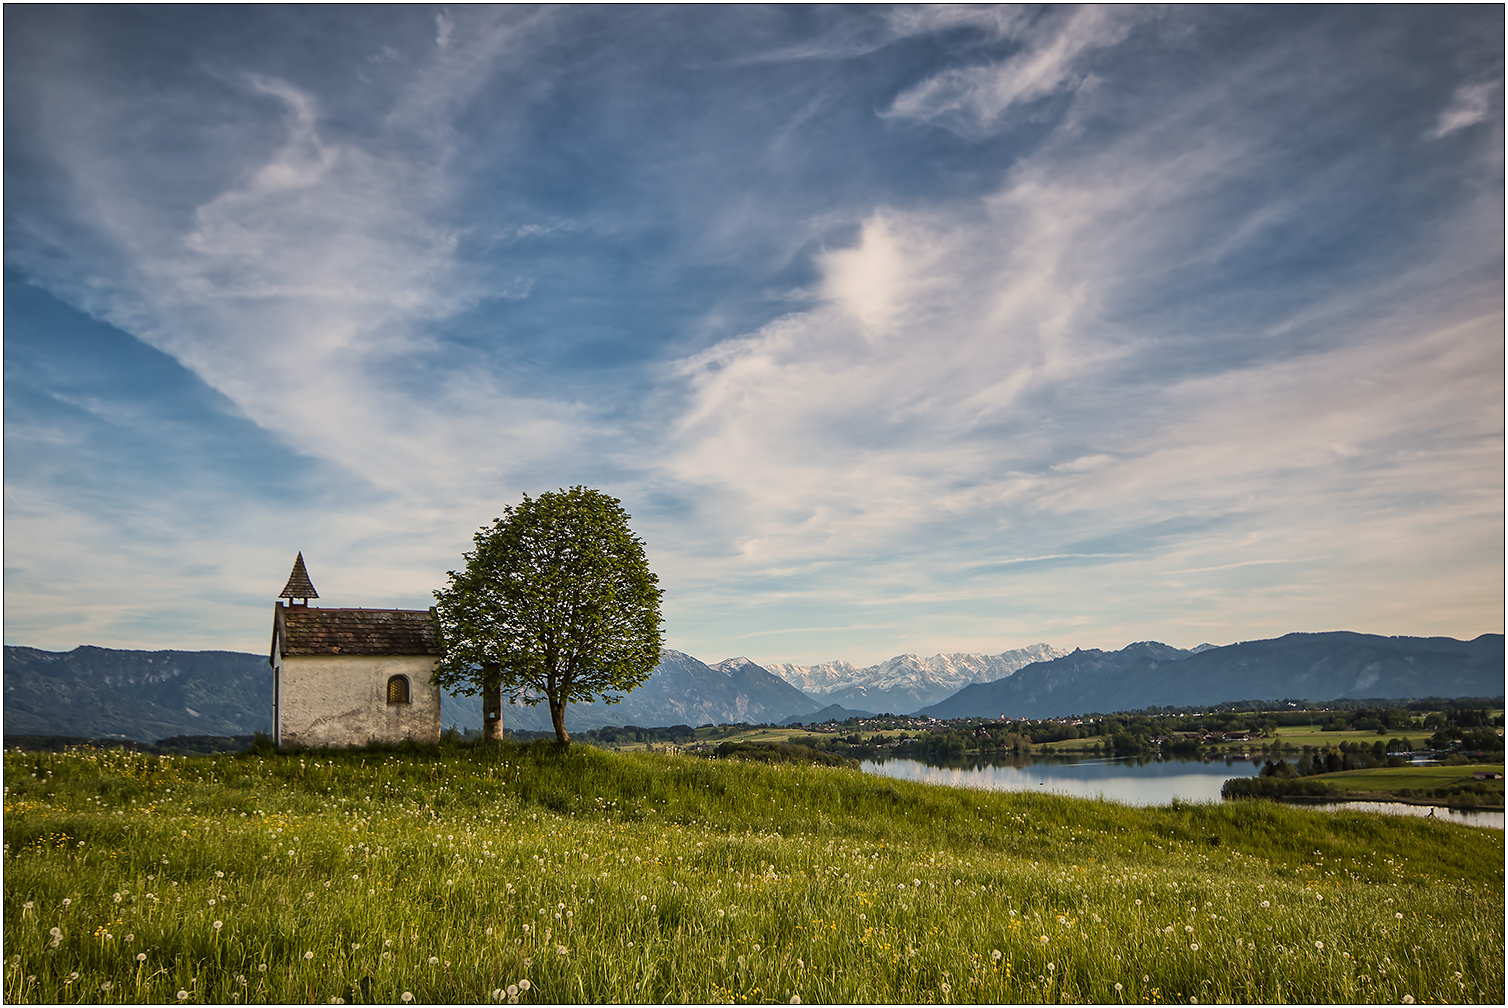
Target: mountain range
x=906, y=682
x=681, y=690
x=1313, y=666
x=98, y=692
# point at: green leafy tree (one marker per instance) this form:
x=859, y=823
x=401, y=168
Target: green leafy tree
x=556, y=603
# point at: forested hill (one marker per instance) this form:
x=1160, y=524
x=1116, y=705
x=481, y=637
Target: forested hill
x=142, y=695
x=1315, y=666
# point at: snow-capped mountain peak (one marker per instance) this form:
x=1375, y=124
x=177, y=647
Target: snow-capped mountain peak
x=730, y=665
x=906, y=682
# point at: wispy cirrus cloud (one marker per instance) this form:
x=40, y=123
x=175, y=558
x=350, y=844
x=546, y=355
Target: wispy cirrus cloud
x=1054, y=50
x=305, y=288
x=989, y=376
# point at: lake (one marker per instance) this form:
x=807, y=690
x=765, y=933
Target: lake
x=1132, y=782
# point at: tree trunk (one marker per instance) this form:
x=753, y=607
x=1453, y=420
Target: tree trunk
x=492, y=708
x=557, y=718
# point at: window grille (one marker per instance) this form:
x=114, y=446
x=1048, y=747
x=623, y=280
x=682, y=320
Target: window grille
x=397, y=689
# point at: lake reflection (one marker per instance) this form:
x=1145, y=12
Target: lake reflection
x=1465, y=817
x=1131, y=782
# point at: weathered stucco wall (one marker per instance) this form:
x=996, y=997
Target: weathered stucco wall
x=341, y=700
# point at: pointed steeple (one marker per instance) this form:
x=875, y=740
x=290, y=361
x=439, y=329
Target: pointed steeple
x=299, y=586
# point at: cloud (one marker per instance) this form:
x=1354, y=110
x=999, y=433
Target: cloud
x=1052, y=57
x=866, y=386
x=306, y=285
x=990, y=382
x=1471, y=104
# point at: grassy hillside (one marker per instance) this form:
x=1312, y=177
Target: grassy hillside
x=456, y=875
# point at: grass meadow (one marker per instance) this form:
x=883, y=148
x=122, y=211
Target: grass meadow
x=529, y=875
x=1397, y=778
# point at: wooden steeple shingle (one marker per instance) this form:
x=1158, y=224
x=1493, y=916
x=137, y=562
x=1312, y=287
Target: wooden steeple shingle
x=299, y=586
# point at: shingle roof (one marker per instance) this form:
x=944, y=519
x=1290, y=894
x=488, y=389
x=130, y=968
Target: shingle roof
x=308, y=631
x=299, y=585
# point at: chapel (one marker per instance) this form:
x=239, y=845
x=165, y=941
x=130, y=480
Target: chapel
x=346, y=677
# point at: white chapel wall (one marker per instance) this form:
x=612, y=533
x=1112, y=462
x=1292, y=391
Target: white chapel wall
x=341, y=700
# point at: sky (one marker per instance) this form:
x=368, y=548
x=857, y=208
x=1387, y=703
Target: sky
x=895, y=329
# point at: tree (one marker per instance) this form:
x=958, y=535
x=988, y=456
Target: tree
x=556, y=603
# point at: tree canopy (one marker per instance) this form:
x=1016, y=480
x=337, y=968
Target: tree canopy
x=556, y=603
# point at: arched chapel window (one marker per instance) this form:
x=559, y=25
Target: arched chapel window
x=397, y=689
